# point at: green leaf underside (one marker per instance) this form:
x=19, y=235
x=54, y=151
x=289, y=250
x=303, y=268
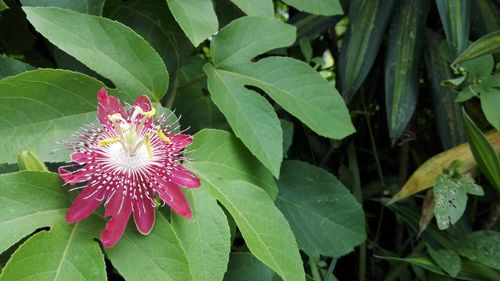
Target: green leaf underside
x=196, y=17
x=9, y=67
x=317, y=7
x=265, y=230
x=450, y=195
x=66, y=252
x=91, y=7
x=37, y=120
x=220, y=154
x=243, y=266
x=252, y=118
x=107, y=47
x=263, y=8
x=29, y=200
x=205, y=237
x=324, y=215
x=481, y=246
x=157, y=256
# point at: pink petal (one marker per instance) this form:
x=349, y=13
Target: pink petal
x=115, y=227
x=114, y=204
x=144, y=103
x=107, y=105
x=81, y=157
x=173, y=196
x=84, y=204
x=185, y=178
x=180, y=140
x=73, y=177
x=144, y=216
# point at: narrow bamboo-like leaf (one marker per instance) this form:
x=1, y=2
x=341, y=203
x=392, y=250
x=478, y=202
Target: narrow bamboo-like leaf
x=361, y=44
x=107, y=47
x=221, y=154
x=266, y=231
x=157, y=256
x=263, y=8
x=91, y=7
x=196, y=17
x=447, y=111
x=37, y=120
x=29, y=200
x=485, y=155
x=487, y=44
x=3, y=6
x=426, y=174
x=9, y=67
x=205, y=237
x=455, y=17
x=66, y=252
x=402, y=64
x=317, y=7
x=489, y=15
x=325, y=217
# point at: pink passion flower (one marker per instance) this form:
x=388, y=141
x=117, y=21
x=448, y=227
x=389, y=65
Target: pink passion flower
x=123, y=163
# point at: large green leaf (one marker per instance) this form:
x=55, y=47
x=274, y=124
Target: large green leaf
x=91, y=7
x=107, y=47
x=262, y=8
x=486, y=158
x=455, y=17
x=196, y=17
x=244, y=266
x=266, y=231
x=42, y=107
x=318, y=7
x=325, y=217
x=360, y=47
x=29, y=200
x=402, y=64
x=205, y=237
x=448, y=260
x=66, y=252
x=292, y=84
x=487, y=44
x=9, y=67
x=481, y=246
x=157, y=256
x=220, y=154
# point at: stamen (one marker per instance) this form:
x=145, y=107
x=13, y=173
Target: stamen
x=162, y=136
x=148, y=146
x=108, y=141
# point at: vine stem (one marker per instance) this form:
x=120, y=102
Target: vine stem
x=313, y=262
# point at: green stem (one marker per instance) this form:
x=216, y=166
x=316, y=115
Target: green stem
x=171, y=98
x=329, y=272
x=372, y=141
x=313, y=262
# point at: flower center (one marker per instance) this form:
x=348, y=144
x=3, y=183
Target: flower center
x=119, y=156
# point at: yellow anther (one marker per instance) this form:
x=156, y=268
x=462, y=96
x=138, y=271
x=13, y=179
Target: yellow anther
x=148, y=146
x=150, y=113
x=163, y=137
x=108, y=141
x=116, y=116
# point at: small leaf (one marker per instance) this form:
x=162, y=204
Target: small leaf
x=28, y=161
x=287, y=128
x=196, y=17
x=487, y=44
x=317, y=7
x=263, y=8
x=484, y=153
x=9, y=67
x=3, y=6
x=91, y=7
x=325, y=217
x=245, y=267
x=108, y=47
x=481, y=246
x=448, y=260
x=455, y=17
x=450, y=196
x=427, y=212
x=490, y=99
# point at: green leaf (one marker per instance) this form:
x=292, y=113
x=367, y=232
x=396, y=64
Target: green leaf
x=252, y=118
x=402, y=65
x=490, y=99
x=220, y=154
x=9, y=67
x=486, y=157
x=36, y=120
x=450, y=195
x=66, y=252
x=157, y=256
x=196, y=17
x=263, y=8
x=266, y=231
x=91, y=7
x=448, y=260
x=317, y=7
x=481, y=246
x=108, y=47
x=325, y=217
x=3, y=6
x=29, y=200
x=487, y=44
x=455, y=17
x=205, y=237
x=360, y=47
x=447, y=111
x=287, y=128
x=243, y=266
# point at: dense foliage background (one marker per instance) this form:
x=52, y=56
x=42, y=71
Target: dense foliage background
x=328, y=135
